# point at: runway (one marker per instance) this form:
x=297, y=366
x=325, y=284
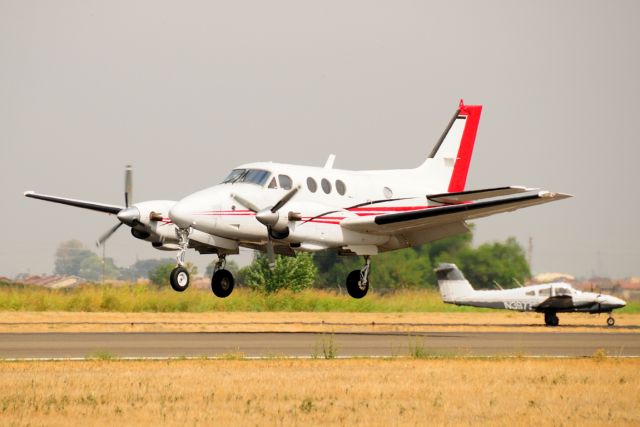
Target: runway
x=207, y=344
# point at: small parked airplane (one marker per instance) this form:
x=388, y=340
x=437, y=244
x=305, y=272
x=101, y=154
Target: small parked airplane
x=549, y=298
x=353, y=212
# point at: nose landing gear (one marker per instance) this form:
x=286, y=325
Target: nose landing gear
x=358, y=280
x=179, y=277
x=610, y=320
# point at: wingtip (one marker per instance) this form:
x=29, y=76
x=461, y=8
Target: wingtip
x=28, y=193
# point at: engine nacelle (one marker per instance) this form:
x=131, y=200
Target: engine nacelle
x=165, y=246
x=140, y=234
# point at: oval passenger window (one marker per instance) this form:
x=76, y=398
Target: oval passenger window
x=326, y=185
x=340, y=187
x=312, y=185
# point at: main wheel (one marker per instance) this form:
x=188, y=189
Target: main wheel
x=355, y=287
x=179, y=279
x=550, y=319
x=222, y=283
x=611, y=321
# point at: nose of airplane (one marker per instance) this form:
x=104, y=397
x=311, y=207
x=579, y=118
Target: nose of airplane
x=610, y=302
x=182, y=214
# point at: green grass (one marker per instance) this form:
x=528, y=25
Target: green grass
x=141, y=298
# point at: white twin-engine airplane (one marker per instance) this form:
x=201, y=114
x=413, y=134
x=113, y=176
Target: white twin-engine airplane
x=283, y=208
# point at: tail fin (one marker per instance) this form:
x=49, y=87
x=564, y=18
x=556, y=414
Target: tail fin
x=448, y=164
x=452, y=284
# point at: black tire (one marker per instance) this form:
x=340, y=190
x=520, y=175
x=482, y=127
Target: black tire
x=611, y=321
x=179, y=279
x=222, y=283
x=354, y=287
x=550, y=319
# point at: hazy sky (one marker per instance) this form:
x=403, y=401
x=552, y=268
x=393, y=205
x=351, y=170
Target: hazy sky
x=186, y=90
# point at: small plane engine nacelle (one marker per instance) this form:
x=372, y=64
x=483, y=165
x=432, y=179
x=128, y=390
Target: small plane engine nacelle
x=140, y=234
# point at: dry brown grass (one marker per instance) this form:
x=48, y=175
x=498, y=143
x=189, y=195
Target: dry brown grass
x=304, y=322
x=322, y=392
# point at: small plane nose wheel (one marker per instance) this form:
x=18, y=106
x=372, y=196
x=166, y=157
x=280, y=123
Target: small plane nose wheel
x=179, y=277
x=358, y=280
x=610, y=320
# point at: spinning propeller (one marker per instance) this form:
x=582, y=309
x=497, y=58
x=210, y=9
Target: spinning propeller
x=128, y=215
x=277, y=228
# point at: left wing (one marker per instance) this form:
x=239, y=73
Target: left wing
x=439, y=215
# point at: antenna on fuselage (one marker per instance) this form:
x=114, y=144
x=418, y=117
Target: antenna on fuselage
x=498, y=285
x=329, y=162
x=518, y=282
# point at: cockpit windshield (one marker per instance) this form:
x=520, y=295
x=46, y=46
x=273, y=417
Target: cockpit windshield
x=251, y=176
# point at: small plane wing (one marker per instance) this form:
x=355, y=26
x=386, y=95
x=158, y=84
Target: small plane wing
x=390, y=223
x=94, y=206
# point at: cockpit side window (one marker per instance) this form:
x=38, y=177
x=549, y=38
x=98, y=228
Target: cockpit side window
x=252, y=176
x=233, y=176
x=273, y=183
x=545, y=292
x=561, y=290
x=285, y=182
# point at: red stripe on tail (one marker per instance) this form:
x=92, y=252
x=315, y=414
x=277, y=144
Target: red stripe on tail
x=461, y=168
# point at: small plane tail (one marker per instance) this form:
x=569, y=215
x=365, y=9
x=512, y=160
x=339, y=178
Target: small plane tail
x=452, y=284
x=448, y=163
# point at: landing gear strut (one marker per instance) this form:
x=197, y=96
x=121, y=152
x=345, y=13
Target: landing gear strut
x=222, y=280
x=610, y=320
x=358, y=280
x=551, y=319
x=179, y=277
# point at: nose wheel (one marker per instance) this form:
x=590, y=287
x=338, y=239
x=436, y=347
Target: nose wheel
x=358, y=280
x=610, y=320
x=179, y=277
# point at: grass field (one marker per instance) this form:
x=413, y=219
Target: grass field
x=140, y=298
x=595, y=391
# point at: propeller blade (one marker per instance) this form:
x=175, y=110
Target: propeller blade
x=108, y=234
x=128, y=186
x=285, y=199
x=244, y=202
x=270, y=253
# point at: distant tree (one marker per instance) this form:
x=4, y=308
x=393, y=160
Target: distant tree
x=160, y=274
x=495, y=262
x=143, y=267
x=293, y=273
x=73, y=258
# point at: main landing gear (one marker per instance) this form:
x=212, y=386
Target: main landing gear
x=358, y=280
x=222, y=280
x=551, y=319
